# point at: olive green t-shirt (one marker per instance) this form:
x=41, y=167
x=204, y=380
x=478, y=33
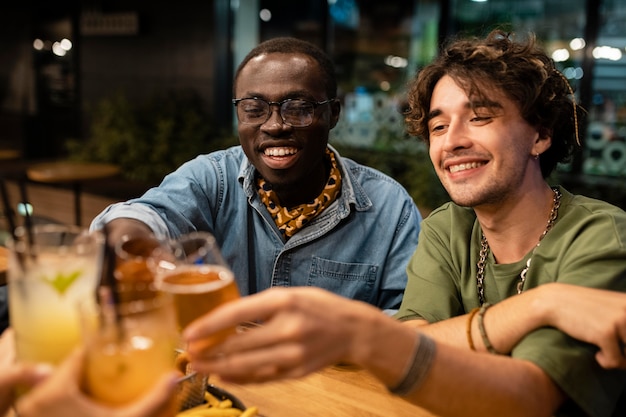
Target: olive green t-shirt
x=586, y=246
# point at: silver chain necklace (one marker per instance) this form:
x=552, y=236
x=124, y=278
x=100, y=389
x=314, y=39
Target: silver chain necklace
x=484, y=251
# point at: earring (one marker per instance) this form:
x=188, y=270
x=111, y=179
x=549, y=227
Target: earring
x=536, y=156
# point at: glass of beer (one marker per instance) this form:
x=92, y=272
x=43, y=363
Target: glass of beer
x=135, y=279
x=129, y=345
x=194, y=272
x=51, y=269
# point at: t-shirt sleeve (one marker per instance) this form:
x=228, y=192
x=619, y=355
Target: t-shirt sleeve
x=435, y=270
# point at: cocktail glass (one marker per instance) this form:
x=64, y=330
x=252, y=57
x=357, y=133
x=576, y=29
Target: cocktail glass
x=129, y=346
x=51, y=269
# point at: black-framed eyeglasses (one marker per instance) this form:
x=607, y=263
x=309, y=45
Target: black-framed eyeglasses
x=294, y=112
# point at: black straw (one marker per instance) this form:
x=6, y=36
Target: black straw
x=28, y=221
x=9, y=214
x=8, y=211
x=108, y=278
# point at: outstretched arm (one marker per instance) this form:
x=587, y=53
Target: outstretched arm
x=305, y=329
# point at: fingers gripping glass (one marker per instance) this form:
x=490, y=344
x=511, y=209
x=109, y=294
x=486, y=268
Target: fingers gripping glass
x=294, y=112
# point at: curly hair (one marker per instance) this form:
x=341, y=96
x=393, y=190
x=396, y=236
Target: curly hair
x=287, y=45
x=520, y=70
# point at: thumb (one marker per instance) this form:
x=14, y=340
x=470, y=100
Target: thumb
x=28, y=375
x=19, y=375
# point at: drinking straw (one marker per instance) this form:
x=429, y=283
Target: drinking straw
x=11, y=221
x=28, y=221
x=108, y=278
x=8, y=212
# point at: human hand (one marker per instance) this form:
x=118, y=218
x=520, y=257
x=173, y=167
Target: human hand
x=7, y=348
x=15, y=374
x=302, y=330
x=60, y=396
x=131, y=228
x=19, y=375
x=591, y=315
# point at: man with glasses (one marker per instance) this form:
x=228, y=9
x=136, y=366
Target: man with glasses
x=285, y=207
x=515, y=304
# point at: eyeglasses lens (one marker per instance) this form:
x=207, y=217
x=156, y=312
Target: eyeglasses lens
x=296, y=113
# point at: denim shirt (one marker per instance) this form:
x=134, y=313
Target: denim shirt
x=358, y=247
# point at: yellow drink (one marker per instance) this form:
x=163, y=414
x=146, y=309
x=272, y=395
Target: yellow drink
x=127, y=354
x=117, y=373
x=192, y=269
x=44, y=296
x=198, y=289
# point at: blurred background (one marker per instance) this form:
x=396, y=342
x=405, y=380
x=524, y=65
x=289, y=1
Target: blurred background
x=146, y=85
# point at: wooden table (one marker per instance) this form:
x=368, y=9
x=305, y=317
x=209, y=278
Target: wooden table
x=74, y=173
x=6, y=154
x=339, y=391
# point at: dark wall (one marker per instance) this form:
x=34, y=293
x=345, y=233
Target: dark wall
x=172, y=50
x=46, y=99
x=16, y=77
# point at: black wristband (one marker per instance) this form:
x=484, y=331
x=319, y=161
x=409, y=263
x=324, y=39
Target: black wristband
x=418, y=368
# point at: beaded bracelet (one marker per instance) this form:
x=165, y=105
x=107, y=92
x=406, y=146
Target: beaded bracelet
x=418, y=368
x=470, y=341
x=483, y=332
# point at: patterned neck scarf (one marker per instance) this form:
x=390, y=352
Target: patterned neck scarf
x=289, y=221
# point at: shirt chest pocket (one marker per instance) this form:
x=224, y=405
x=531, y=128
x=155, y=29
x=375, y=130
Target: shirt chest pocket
x=352, y=280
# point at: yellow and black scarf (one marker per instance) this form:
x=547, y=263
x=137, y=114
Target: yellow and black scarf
x=289, y=221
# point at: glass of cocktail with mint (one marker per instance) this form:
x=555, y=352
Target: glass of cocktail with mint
x=52, y=268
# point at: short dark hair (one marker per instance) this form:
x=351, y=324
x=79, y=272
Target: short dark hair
x=520, y=70
x=287, y=45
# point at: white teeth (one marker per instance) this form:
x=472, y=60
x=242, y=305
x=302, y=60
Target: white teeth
x=463, y=167
x=280, y=151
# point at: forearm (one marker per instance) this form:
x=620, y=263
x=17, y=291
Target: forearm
x=555, y=305
x=503, y=330
x=383, y=346
x=505, y=323
x=482, y=384
x=467, y=383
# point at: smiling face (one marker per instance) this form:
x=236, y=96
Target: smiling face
x=481, y=150
x=289, y=158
